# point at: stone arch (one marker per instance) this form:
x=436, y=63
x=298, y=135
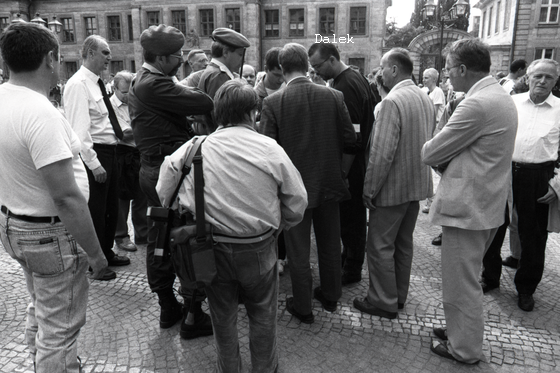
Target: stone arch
x=425, y=41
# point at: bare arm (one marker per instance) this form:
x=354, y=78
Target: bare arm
x=73, y=211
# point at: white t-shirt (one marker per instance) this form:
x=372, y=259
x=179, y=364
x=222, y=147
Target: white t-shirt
x=438, y=98
x=34, y=134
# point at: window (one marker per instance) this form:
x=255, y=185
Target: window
x=481, y=31
x=68, y=30
x=544, y=53
x=358, y=62
x=549, y=11
x=153, y=18
x=489, y=29
x=71, y=68
x=507, y=13
x=497, y=25
x=357, y=20
x=272, y=22
x=179, y=20
x=4, y=22
x=114, y=24
x=133, y=66
x=326, y=21
x=130, y=27
x=90, y=24
x=116, y=66
x=206, y=22
x=297, y=22
x=233, y=19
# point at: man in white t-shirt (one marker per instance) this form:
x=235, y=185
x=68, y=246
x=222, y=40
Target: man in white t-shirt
x=45, y=224
x=435, y=92
x=517, y=69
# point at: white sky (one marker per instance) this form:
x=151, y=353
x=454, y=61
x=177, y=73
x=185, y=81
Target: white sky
x=400, y=11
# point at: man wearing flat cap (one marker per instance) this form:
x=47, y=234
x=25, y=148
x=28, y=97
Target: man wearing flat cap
x=158, y=109
x=228, y=52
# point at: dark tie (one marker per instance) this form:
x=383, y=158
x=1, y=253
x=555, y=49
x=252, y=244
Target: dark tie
x=112, y=115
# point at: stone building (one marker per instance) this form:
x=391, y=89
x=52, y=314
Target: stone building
x=357, y=26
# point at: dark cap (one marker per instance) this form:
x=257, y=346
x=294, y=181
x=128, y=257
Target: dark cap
x=230, y=37
x=162, y=40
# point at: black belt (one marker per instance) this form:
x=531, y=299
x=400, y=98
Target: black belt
x=31, y=219
x=104, y=146
x=533, y=166
x=152, y=158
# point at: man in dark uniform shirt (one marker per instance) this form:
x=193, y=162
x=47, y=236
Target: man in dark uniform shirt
x=158, y=109
x=325, y=60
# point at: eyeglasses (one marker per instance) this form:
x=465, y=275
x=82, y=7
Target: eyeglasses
x=448, y=69
x=180, y=56
x=317, y=66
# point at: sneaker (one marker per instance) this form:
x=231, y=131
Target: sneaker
x=125, y=244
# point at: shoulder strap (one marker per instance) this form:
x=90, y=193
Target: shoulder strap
x=199, y=197
x=187, y=166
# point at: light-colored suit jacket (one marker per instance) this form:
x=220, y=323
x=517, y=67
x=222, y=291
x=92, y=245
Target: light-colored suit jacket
x=395, y=172
x=478, y=143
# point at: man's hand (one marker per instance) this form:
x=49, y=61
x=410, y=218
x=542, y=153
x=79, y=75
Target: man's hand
x=100, y=174
x=549, y=197
x=368, y=202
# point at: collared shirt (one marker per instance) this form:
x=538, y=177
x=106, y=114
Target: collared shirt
x=251, y=185
x=154, y=70
x=223, y=68
x=88, y=115
x=538, y=129
x=121, y=110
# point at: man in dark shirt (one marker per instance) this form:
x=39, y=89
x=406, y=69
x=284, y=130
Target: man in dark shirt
x=158, y=109
x=313, y=126
x=325, y=60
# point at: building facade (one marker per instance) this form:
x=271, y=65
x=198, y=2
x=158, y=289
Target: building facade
x=357, y=27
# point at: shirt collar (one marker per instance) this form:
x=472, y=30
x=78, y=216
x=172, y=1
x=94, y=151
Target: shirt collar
x=224, y=68
x=152, y=69
x=89, y=74
x=116, y=100
x=297, y=77
x=242, y=125
x=549, y=100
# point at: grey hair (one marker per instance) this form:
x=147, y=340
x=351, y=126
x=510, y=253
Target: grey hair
x=92, y=42
x=543, y=60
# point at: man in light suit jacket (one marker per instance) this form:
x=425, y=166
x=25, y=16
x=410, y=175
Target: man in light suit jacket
x=396, y=180
x=477, y=146
x=312, y=124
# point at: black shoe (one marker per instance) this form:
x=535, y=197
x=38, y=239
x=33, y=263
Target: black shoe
x=118, y=261
x=350, y=278
x=441, y=333
x=510, y=262
x=170, y=313
x=306, y=319
x=366, y=307
x=486, y=287
x=328, y=305
x=400, y=306
x=195, y=325
x=526, y=302
x=437, y=241
x=108, y=274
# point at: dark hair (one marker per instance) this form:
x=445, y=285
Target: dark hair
x=517, y=65
x=149, y=57
x=401, y=58
x=218, y=49
x=325, y=50
x=293, y=58
x=271, y=59
x=233, y=102
x=25, y=45
x=472, y=53
x=92, y=42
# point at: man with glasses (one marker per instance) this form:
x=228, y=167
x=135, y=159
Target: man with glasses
x=475, y=147
x=158, y=109
x=92, y=117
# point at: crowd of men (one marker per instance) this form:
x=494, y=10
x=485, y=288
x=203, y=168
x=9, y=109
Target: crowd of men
x=282, y=151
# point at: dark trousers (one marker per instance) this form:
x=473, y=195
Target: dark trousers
x=104, y=198
x=492, y=261
x=529, y=185
x=353, y=219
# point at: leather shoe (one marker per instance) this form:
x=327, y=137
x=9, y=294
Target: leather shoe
x=510, y=262
x=108, y=274
x=350, y=278
x=306, y=319
x=437, y=241
x=526, y=302
x=328, y=305
x=366, y=307
x=126, y=244
x=400, y=306
x=118, y=261
x=486, y=287
x=441, y=333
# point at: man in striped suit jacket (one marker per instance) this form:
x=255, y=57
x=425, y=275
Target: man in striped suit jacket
x=396, y=180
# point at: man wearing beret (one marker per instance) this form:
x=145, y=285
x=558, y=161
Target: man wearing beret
x=228, y=51
x=158, y=109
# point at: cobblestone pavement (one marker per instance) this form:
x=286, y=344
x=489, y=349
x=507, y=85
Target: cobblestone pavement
x=122, y=332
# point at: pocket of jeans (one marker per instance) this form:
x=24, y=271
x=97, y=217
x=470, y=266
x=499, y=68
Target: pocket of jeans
x=267, y=258
x=43, y=255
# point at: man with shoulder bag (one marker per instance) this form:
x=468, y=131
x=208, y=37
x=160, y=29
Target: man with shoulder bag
x=251, y=192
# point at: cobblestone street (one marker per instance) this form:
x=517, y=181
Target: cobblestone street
x=122, y=332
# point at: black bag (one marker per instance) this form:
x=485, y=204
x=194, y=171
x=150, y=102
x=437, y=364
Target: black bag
x=192, y=246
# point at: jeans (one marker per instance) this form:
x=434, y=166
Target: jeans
x=249, y=270
x=55, y=272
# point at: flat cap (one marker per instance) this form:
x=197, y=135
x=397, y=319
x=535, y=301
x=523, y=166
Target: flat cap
x=162, y=40
x=230, y=37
